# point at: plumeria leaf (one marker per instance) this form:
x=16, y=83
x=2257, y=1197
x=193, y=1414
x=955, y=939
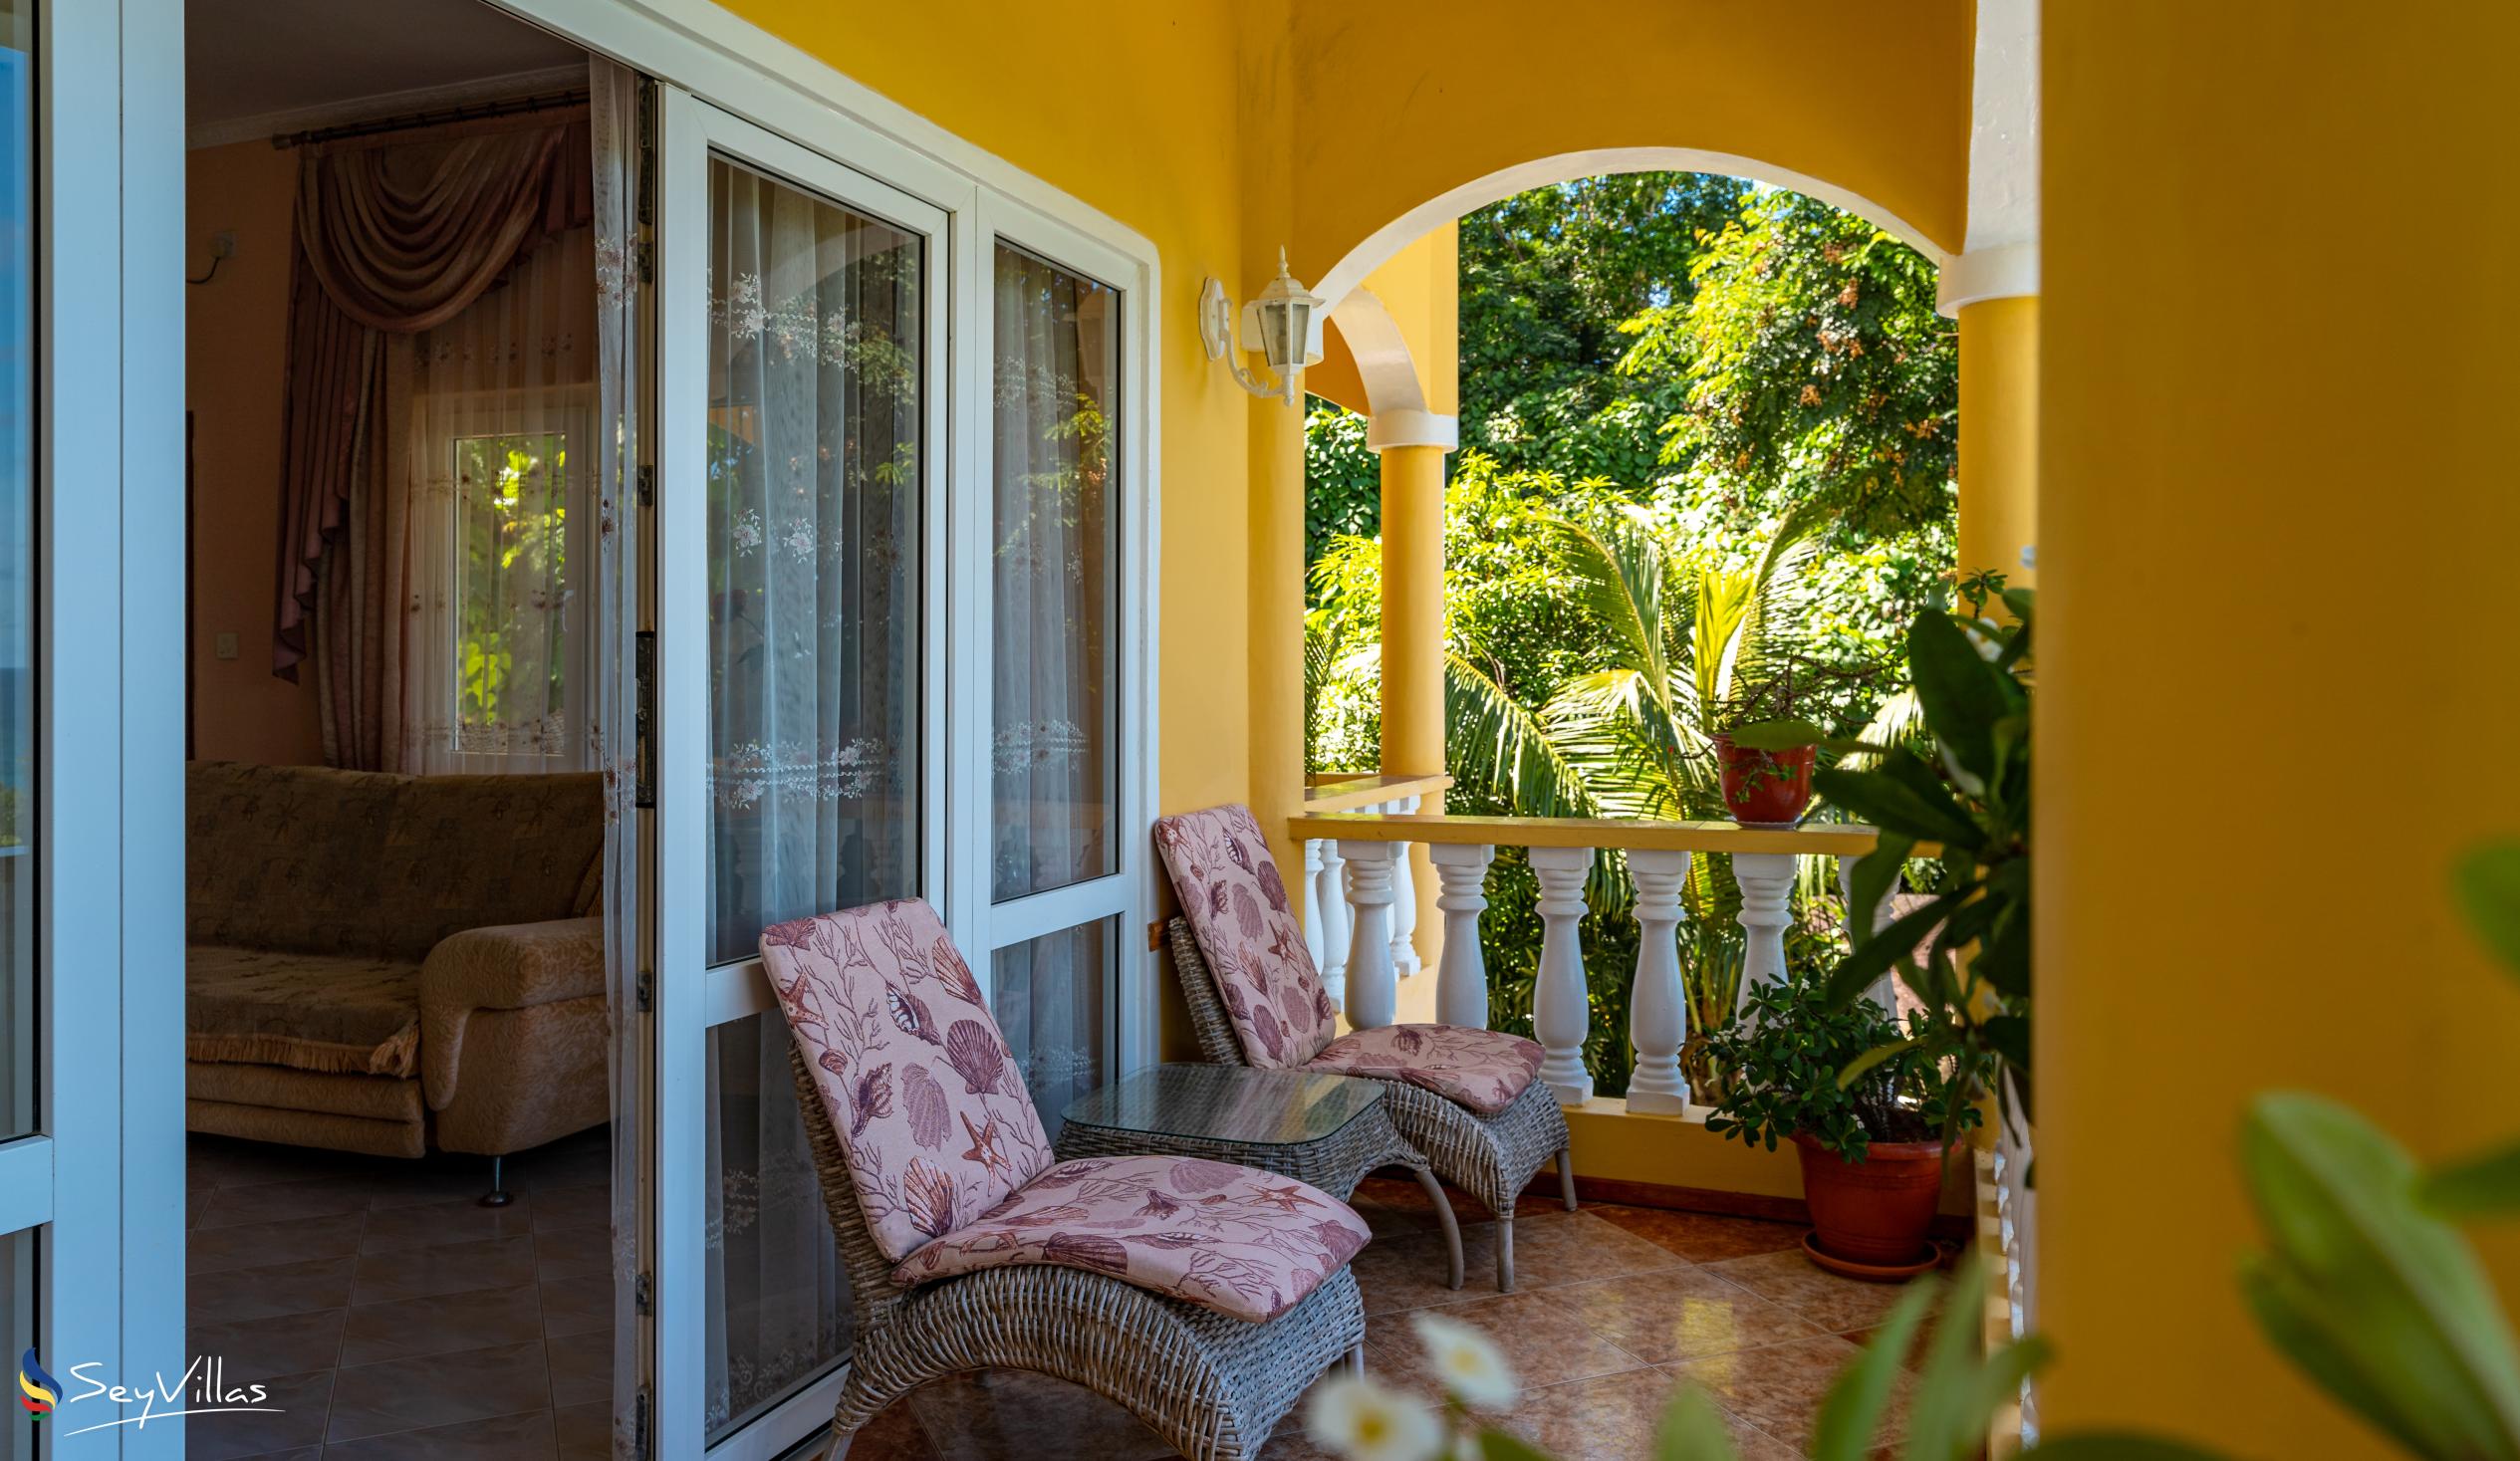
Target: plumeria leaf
x=2480, y=1186
x=1692, y=1428
x=2488, y=882
x=1851, y=1415
x=2109, y=1445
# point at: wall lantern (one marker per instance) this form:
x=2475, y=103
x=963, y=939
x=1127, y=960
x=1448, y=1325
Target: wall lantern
x=1283, y=319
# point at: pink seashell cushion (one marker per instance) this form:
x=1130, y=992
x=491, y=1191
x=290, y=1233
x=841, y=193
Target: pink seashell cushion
x=929, y=1105
x=1237, y=1240
x=1236, y=904
x=1483, y=1069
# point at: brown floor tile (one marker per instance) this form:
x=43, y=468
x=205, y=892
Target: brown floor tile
x=581, y=1366
x=570, y=1252
x=1779, y=1389
x=288, y=1344
x=238, y=1294
x=1835, y=1304
x=1541, y=1340
x=527, y=1436
x=1411, y=1272
x=446, y=1268
x=1680, y=1313
x=474, y=1319
x=295, y=1420
x=272, y=1202
x=260, y=1244
x=574, y=1305
x=1556, y=1247
x=459, y=1220
x=1616, y=1418
x=584, y=1432
x=1011, y=1416
x=1702, y=1237
x=582, y=1204
x=894, y=1435
x=434, y=1391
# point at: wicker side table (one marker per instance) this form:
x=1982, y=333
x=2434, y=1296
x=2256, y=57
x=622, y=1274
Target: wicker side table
x=1328, y=1131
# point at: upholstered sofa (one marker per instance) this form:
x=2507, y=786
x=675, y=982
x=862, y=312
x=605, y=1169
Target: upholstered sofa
x=387, y=964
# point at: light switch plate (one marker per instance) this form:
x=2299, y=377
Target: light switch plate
x=225, y=646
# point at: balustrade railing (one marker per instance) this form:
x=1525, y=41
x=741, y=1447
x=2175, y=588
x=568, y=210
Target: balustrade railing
x=1361, y=920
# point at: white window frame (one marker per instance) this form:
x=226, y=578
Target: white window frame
x=566, y=412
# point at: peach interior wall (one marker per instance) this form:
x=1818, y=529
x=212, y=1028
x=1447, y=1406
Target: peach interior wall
x=235, y=345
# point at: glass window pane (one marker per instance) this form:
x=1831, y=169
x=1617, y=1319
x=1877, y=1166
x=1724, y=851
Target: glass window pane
x=1055, y=593
x=1049, y=997
x=814, y=467
x=778, y=1301
x=17, y=569
x=511, y=625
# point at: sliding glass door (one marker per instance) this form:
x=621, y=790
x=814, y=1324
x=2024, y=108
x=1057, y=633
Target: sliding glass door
x=801, y=710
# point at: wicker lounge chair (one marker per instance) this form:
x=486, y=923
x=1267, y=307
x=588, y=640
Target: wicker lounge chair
x=1203, y=1297
x=1467, y=1100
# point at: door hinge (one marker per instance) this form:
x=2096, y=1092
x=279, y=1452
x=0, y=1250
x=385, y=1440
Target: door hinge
x=647, y=996
x=640, y=1410
x=646, y=252
x=647, y=485
x=643, y=1294
x=644, y=716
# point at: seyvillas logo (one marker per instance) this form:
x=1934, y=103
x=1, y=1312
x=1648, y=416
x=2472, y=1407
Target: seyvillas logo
x=38, y=1392
x=202, y=1389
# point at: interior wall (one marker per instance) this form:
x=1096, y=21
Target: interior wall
x=236, y=345
x=2276, y=533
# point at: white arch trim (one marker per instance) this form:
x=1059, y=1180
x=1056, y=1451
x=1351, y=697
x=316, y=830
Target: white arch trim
x=1395, y=399
x=1343, y=278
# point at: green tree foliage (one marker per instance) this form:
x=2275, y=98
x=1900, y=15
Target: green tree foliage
x=1819, y=374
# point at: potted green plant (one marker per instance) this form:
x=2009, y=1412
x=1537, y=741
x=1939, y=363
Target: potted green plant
x=1763, y=786
x=1870, y=1114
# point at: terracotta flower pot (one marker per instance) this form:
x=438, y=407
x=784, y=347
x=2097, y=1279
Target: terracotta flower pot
x=1878, y=1211
x=1765, y=786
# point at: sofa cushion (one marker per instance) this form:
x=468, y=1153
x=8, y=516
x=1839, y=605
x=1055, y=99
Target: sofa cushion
x=927, y=1103
x=1235, y=903
x=349, y=1014
x=1238, y=1240
x=320, y=860
x=1483, y=1069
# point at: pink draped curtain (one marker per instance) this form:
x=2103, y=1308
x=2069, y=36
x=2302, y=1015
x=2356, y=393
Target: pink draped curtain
x=393, y=237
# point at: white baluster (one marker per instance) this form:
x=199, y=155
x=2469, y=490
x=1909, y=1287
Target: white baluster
x=1657, y=1013
x=1374, y=993
x=1767, y=885
x=1311, y=903
x=1404, y=900
x=1861, y=923
x=1461, y=969
x=1560, y=1014
x=1331, y=891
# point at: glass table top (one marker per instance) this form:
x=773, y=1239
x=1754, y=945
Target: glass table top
x=1227, y=1103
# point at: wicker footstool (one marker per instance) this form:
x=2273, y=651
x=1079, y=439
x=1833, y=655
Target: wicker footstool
x=1328, y=1131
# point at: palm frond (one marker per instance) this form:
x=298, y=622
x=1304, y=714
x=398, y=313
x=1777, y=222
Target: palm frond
x=1500, y=748
x=1617, y=573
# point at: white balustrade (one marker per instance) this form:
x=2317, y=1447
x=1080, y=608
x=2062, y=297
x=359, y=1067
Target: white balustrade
x=1657, y=1011
x=1313, y=904
x=1561, y=1014
x=1331, y=889
x=1461, y=969
x=1767, y=887
x=1861, y=923
x=1373, y=993
x=1405, y=899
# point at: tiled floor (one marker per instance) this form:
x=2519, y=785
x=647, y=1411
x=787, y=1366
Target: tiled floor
x=394, y=1318
x=1613, y=1307
x=402, y=1321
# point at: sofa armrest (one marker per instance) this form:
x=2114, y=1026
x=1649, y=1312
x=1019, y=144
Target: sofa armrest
x=513, y=966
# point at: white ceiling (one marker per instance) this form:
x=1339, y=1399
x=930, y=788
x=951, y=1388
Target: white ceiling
x=260, y=66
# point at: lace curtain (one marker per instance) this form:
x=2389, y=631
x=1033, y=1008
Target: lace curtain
x=814, y=482
x=501, y=465
x=1054, y=691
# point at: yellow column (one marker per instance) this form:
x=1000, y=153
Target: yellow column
x=1277, y=636
x=1413, y=669
x=1999, y=437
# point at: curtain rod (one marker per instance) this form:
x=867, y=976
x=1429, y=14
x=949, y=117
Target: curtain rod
x=476, y=112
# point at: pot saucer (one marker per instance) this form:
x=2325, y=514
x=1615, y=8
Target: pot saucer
x=1793, y=825
x=1871, y=1273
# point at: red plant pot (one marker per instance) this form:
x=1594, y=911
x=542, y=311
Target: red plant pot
x=1878, y=1211
x=1765, y=786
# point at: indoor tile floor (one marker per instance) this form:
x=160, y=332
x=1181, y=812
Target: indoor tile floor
x=403, y=1320
x=391, y=1316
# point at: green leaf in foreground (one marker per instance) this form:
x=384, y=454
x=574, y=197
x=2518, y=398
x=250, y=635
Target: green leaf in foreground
x=2488, y=882
x=2479, y=1187
x=1692, y=1428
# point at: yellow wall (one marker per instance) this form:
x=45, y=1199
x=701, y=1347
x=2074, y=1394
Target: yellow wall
x=2277, y=520
x=236, y=342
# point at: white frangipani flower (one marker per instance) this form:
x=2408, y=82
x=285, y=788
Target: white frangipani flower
x=1466, y=1362
x=1362, y=1421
